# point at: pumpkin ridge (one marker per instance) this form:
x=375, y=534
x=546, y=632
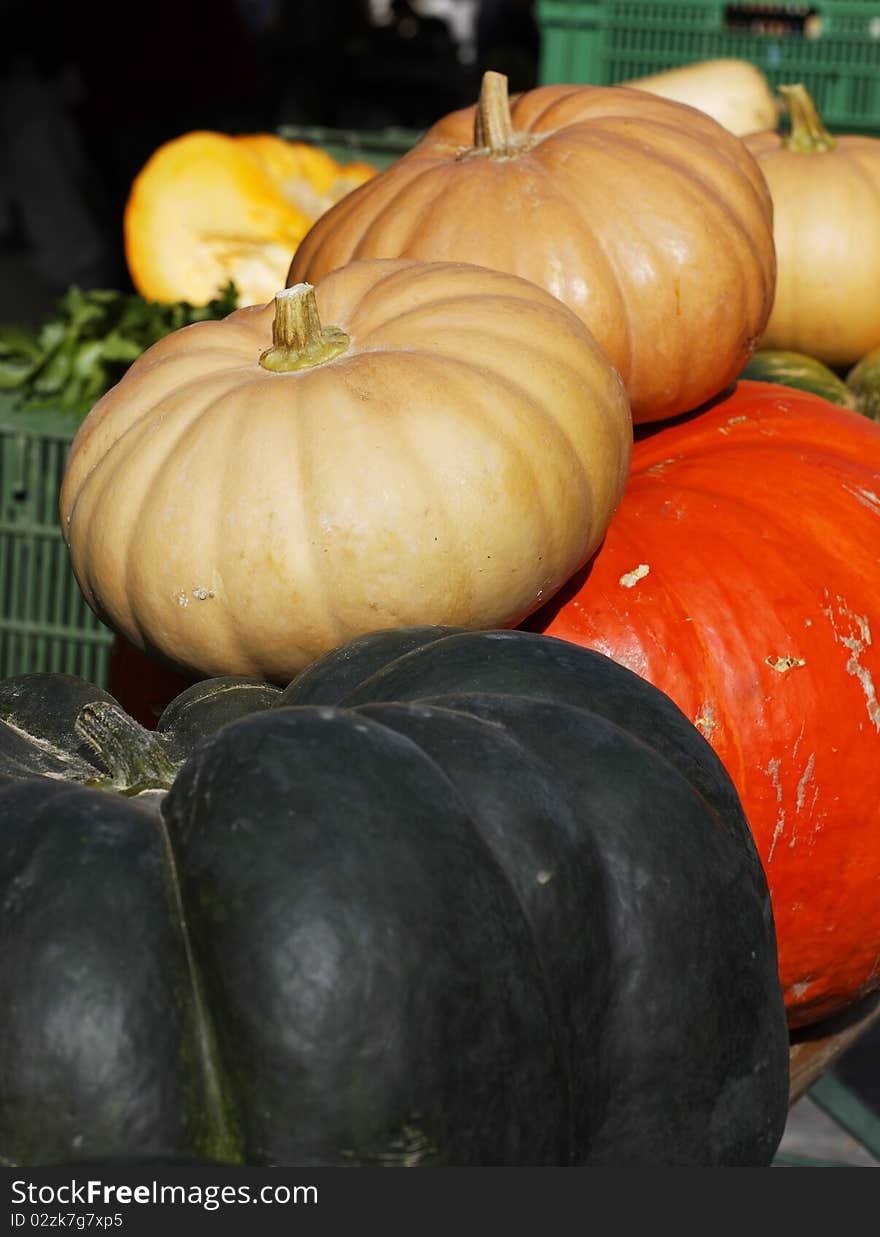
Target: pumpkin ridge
x=224, y=1141
x=147, y=413
x=485, y=407
x=294, y=739
x=429, y=309
x=687, y=175
x=111, y=479
x=411, y=273
x=539, y=117
x=532, y=107
x=393, y=208
x=572, y=204
x=459, y=702
x=701, y=192
x=321, y=581
x=751, y=176
x=470, y=372
x=856, y=156
x=518, y=712
x=380, y=187
x=373, y=712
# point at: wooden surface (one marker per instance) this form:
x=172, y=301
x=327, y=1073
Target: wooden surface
x=814, y=1049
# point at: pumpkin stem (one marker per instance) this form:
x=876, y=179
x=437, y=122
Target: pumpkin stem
x=134, y=757
x=299, y=341
x=808, y=134
x=493, y=126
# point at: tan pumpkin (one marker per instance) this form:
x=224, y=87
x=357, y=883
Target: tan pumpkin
x=447, y=448
x=734, y=92
x=826, y=203
x=646, y=217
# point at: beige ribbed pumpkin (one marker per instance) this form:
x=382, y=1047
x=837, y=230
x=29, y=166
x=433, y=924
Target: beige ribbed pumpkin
x=646, y=217
x=826, y=223
x=421, y=443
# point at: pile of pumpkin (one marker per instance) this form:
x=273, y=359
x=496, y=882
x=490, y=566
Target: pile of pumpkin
x=526, y=796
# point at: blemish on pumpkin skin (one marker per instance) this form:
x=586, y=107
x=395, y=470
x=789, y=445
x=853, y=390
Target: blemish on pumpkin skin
x=782, y=664
x=857, y=640
x=866, y=497
x=724, y=429
x=661, y=467
x=706, y=722
x=798, y=990
x=631, y=578
x=802, y=785
x=772, y=771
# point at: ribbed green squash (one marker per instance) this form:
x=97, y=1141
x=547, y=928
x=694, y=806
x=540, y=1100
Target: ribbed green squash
x=796, y=369
x=452, y=898
x=863, y=380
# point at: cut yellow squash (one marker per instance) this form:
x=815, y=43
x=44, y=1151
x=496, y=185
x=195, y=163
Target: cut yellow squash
x=208, y=207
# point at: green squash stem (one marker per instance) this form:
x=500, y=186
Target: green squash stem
x=299, y=341
x=808, y=134
x=134, y=757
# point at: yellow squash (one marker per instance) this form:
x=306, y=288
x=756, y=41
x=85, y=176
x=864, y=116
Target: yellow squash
x=207, y=208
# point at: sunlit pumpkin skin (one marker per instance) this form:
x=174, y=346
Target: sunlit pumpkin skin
x=826, y=202
x=734, y=92
x=740, y=575
x=453, y=899
x=207, y=208
x=454, y=463
x=646, y=217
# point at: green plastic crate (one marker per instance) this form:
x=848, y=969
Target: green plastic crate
x=45, y=623
x=832, y=46
x=380, y=147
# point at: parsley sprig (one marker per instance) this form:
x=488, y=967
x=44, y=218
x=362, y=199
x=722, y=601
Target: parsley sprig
x=71, y=359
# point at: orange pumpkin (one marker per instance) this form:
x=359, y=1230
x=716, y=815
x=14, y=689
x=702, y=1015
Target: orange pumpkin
x=207, y=208
x=405, y=443
x=739, y=576
x=646, y=217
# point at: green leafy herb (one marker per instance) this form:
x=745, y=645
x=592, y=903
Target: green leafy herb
x=69, y=361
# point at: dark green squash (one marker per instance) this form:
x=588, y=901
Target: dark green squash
x=452, y=898
x=863, y=381
x=796, y=369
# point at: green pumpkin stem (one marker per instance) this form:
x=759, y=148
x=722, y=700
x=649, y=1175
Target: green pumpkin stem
x=493, y=126
x=808, y=134
x=134, y=757
x=299, y=341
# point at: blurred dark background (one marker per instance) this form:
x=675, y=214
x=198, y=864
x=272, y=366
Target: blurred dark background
x=86, y=97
